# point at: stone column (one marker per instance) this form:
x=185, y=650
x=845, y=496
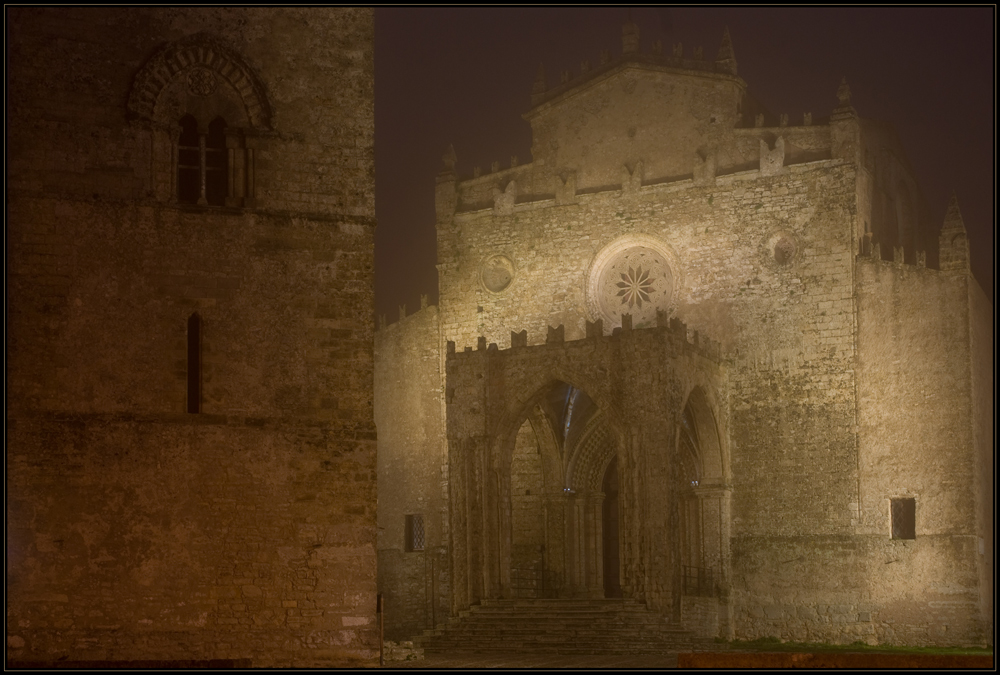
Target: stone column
x=596, y=500
x=575, y=547
x=555, y=554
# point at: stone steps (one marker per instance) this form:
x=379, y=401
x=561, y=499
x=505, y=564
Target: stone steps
x=558, y=627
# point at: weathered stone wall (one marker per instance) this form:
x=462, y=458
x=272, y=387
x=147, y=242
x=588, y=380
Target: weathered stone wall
x=413, y=473
x=773, y=238
x=527, y=498
x=639, y=116
x=137, y=530
x=726, y=275
x=700, y=614
x=983, y=382
x=917, y=440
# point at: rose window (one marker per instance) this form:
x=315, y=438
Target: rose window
x=635, y=281
x=635, y=287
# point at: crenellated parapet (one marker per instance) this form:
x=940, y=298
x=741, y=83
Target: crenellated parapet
x=730, y=133
x=953, y=247
x=383, y=324
x=671, y=333
x=872, y=255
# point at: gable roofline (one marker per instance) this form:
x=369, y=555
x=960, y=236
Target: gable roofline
x=544, y=101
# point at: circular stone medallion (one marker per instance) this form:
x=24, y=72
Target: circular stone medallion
x=782, y=248
x=636, y=281
x=497, y=272
x=201, y=81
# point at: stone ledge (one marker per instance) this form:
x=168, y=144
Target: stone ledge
x=796, y=660
x=132, y=665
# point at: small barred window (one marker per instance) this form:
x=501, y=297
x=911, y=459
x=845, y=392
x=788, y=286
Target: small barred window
x=904, y=519
x=415, y=532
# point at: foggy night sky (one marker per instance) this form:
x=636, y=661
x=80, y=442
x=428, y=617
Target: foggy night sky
x=464, y=76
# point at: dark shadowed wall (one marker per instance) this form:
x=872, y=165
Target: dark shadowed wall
x=175, y=497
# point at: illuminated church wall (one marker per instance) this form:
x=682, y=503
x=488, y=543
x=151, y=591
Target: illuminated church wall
x=191, y=446
x=659, y=188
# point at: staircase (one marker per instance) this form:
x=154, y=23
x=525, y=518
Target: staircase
x=559, y=627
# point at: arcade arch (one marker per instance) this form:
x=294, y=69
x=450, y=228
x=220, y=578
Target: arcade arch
x=558, y=458
x=703, y=497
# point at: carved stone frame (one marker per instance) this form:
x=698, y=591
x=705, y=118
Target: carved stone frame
x=201, y=76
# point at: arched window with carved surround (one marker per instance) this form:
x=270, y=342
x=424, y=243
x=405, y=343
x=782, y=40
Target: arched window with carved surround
x=205, y=111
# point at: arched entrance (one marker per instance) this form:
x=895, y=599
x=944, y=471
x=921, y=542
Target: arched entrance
x=567, y=419
x=559, y=533
x=702, y=500
x=531, y=569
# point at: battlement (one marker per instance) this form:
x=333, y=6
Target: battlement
x=528, y=186
x=873, y=251
x=746, y=137
x=382, y=324
x=670, y=330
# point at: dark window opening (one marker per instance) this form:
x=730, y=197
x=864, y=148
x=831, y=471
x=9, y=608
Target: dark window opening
x=415, y=532
x=202, y=163
x=216, y=163
x=904, y=519
x=188, y=162
x=194, y=364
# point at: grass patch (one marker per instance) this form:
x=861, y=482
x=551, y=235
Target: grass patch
x=772, y=644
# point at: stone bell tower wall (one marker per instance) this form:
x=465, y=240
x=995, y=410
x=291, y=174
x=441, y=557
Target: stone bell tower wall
x=144, y=521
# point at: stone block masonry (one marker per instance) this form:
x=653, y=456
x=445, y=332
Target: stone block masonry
x=821, y=472
x=180, y=494
x=413, y=474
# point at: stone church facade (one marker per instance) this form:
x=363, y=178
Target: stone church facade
x=190, y=435
x=700, y=355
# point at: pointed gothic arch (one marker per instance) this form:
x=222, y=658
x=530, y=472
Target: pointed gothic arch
x=704, y=496
x=569, y=514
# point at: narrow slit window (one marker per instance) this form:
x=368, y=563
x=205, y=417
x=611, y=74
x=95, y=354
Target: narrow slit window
x=194, y=364
x=904, y=519
x=415, y=532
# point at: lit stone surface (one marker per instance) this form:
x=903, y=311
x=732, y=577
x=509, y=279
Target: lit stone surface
x=637, y=282
x=807, y=349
